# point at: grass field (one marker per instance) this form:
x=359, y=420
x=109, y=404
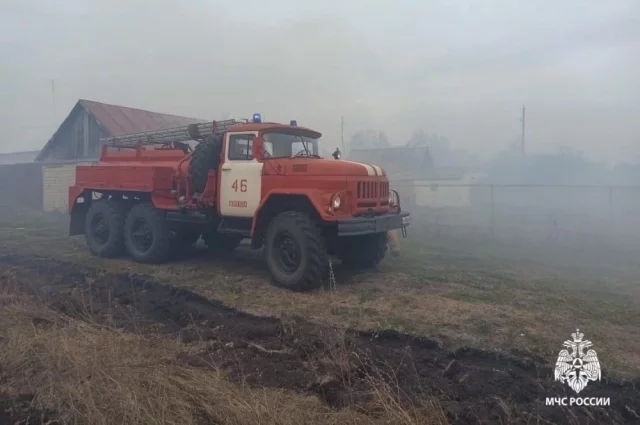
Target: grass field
x=457, y=329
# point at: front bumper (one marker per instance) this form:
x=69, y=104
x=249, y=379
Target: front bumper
x=377, y=224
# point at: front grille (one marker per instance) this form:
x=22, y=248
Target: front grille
x=372, y=194
x=372, y=190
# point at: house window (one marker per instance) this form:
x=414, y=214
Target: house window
x=240, y=147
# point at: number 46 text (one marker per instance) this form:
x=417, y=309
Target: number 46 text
x=242, y=185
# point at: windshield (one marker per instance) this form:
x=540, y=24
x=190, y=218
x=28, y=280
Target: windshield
x=281, y=145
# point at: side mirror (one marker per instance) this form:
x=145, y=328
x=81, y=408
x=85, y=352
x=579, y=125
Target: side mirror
x=257, y=149
x=337, y=154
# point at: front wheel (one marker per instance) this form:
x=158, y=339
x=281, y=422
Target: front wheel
x=295, y=252
x=146, y=234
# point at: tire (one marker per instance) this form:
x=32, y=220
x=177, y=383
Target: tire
x=146, y=234
x=108, y=214
x=363, y=252
x=205, y=157
x=221, y=243
x=305, y=270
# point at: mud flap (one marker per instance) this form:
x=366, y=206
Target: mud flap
x=78, y=216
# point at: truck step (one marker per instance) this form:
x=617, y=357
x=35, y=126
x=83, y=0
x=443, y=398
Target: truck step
x=236, y=226
x=187, y=217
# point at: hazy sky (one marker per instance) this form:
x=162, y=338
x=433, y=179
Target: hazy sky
x=461, y=68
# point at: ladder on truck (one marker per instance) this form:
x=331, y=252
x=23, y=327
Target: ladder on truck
x=171, y=135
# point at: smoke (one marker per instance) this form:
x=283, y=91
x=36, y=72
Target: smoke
x=463, y=71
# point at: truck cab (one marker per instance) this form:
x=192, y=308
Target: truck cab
x=265, y=182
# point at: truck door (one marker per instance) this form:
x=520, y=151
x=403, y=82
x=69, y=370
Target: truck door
x=240, y=177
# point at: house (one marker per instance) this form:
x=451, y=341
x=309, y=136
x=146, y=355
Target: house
x=78, y=137
x=77, y=141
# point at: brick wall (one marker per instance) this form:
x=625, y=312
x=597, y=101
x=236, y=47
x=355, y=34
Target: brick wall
x=56, y=179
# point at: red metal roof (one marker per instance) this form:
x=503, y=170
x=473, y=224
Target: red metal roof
x=119, y=120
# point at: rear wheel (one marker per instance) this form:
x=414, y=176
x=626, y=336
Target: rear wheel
x=295, y=252
x=146, y=234
x=104, y=228
x=362, y=252
x=221, y=243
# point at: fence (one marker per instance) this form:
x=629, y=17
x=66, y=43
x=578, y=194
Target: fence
x=525, y=211
x=21, y=185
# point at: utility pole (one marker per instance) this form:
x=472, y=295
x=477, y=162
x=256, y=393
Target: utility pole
x=344, y=151
x=522, y=141
x=53, y=100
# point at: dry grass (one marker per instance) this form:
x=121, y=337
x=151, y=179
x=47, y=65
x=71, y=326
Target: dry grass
x=92, y=374
x=463, y=292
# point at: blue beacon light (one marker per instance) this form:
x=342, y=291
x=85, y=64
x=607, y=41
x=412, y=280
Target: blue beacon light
x=257, y=118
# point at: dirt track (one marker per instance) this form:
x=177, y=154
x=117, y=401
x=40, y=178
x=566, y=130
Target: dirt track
x=473, y=386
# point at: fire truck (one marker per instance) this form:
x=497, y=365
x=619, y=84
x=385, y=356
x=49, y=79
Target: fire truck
x=151, y=195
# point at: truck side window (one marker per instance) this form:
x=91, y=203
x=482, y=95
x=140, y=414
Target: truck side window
x=268, y=148
x=240, y=147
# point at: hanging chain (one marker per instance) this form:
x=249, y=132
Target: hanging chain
x=332, y=277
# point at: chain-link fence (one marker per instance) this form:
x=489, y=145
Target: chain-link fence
x=525, y=211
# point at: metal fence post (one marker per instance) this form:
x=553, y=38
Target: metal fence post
x=493, y=208
x=611, y=221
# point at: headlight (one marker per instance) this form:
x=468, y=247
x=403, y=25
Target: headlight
x=336, y=202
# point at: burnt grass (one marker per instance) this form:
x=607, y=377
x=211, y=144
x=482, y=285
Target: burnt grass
x=472, y=386
x=19, y=411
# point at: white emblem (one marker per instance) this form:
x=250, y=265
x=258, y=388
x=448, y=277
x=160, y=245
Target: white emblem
x=577, y=368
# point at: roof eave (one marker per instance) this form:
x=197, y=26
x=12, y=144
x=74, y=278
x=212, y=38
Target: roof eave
x=47, y=147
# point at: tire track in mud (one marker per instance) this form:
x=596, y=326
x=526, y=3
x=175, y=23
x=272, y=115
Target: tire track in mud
x=473, y=386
